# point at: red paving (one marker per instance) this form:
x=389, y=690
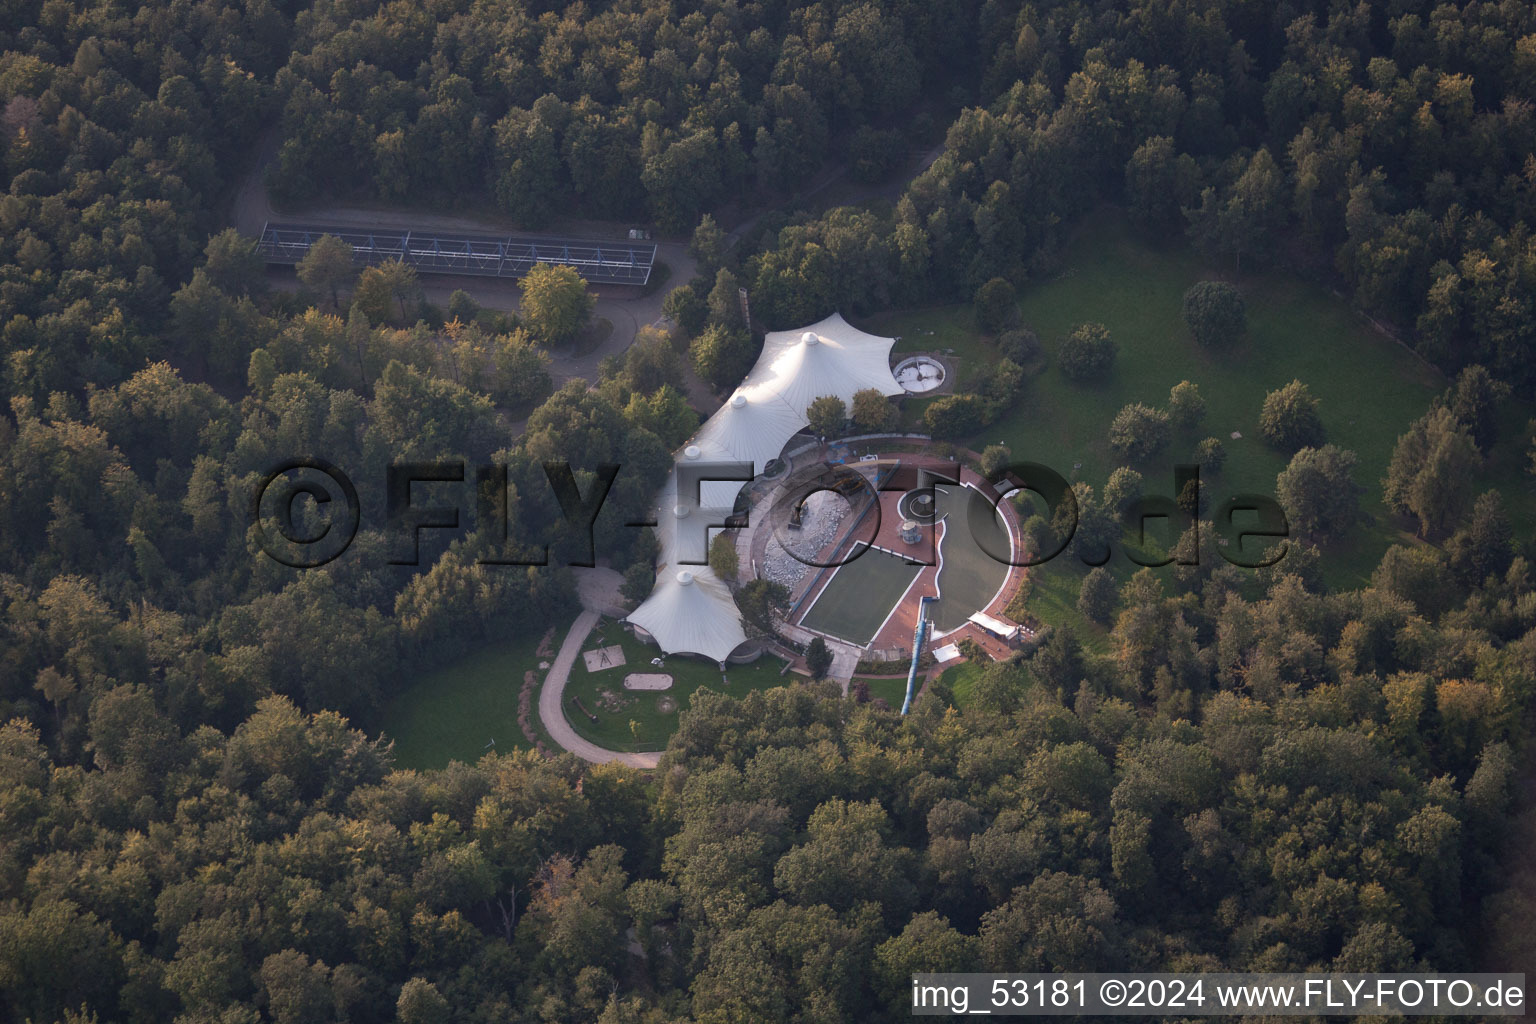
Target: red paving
x=898, y=629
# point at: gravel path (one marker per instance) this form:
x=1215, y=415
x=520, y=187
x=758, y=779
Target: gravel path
x=553, y=692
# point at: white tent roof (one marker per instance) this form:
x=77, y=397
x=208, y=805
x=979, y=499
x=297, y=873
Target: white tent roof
x=713, y=494
x=828, y=358
x=754, y=424
x=692, y=610
x=795, y=368
x=673, y=508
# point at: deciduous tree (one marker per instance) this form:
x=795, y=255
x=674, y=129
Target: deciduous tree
x=1211, y=454
x=1098, y=595
x=555, y=303
x=1215, y=314
x=1485, y=546
x=651, y=362
x=1431, y=473
x=722, y=556
x=1139, y=432
x=1088, y=353
x=872, y=412
x=827, y=415
x=1474, y=399
x=1318, y=491
x=955, y=416
x=1289, y=418
x=818, y=658
x=1186, y=409
x=328, y=267
x=997, y=306
x=722, y=356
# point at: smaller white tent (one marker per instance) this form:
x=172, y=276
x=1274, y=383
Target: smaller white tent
x=691, y=610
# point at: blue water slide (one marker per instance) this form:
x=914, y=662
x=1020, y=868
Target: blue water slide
x=918, y=637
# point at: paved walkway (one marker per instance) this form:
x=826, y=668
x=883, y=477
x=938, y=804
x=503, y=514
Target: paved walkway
x=552, y=694
x=599, y=590
x=845, y=662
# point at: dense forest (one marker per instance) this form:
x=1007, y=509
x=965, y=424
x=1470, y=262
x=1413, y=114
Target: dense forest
x=631, y=108
x=1392, y=150
x=1392, y=153
x=195, y=823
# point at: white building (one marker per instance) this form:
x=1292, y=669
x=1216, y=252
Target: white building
x=691, y=609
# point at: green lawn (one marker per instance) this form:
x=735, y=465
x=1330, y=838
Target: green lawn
x=603, y=694
x=451, y=714
x=1054, y=599
x=1370, y=388
x=892, y=691
x=945, y=330
x=961, y=678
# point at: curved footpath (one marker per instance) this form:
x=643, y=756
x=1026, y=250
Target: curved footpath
x=553, y=692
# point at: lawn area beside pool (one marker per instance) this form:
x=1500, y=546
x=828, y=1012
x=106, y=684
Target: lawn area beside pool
x=453, y=713
x=1054, y=600
x=892, y=691
x=655, y=712
x=1370, y=390
x=961, y=679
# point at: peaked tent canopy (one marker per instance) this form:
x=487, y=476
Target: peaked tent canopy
x=691, y=610
x=698, y=615
x=712, y=494
x=818, y=365
x=830, y=357
x=752, y=427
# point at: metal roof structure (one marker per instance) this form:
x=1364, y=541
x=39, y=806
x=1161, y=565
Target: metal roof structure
x=437, y=252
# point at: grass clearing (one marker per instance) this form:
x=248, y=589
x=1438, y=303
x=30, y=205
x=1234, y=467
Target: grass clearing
x=946, y=330
x=961, y=679
x=453, y=713
x=892, y=691
x=655, y=713
x=1370, y=389
x=1054, y=599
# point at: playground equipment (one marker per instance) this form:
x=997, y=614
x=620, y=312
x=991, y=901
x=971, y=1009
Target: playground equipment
x=919, y=635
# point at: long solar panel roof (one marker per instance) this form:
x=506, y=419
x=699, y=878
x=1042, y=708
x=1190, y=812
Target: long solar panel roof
x=437, y=252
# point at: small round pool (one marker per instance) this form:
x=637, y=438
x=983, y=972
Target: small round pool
x=918, y=375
